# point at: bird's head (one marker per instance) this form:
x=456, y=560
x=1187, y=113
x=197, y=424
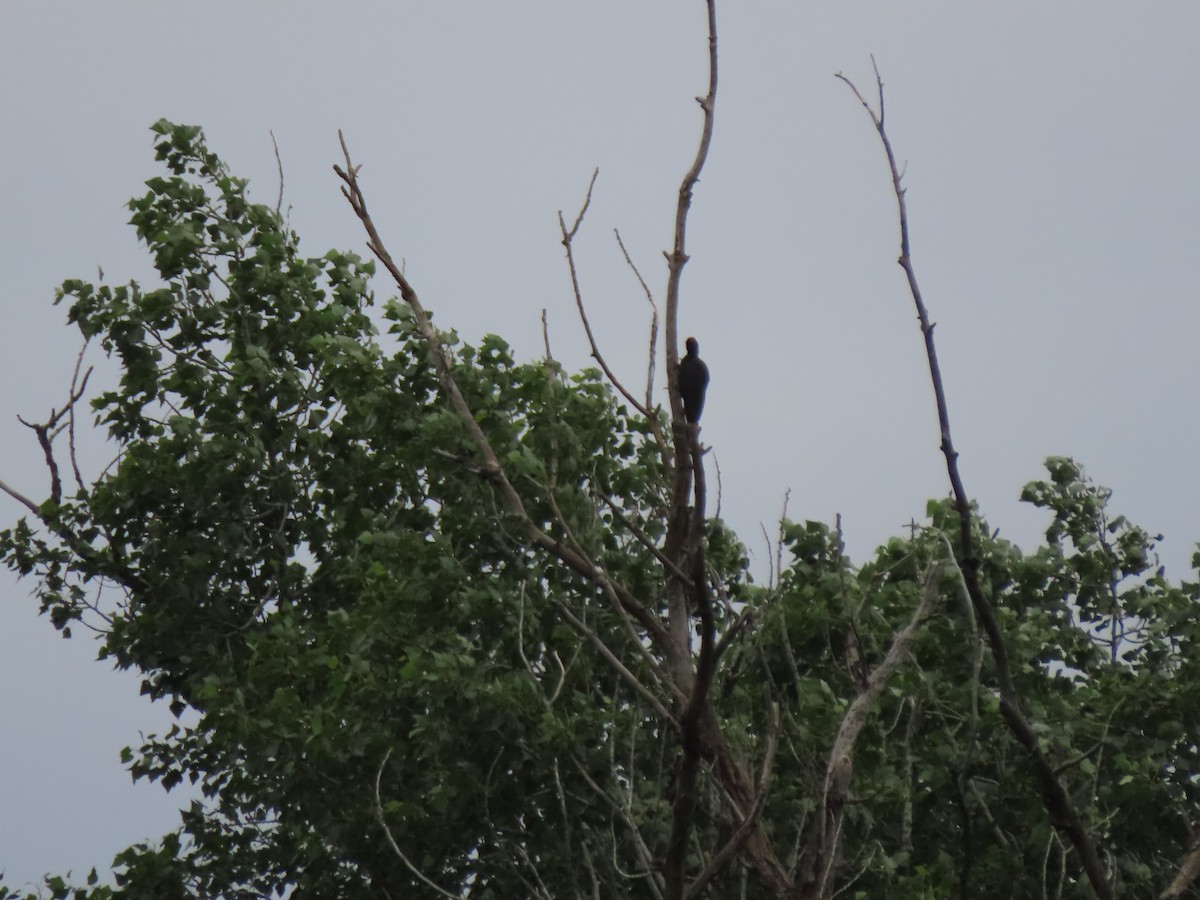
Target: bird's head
x=693, y=346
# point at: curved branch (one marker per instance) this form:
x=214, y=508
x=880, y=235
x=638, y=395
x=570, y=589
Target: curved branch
x=387, y=833
x=19, y=497
x=840, y=769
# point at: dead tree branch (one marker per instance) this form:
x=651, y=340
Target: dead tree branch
x=680, y=533
x=279, y=166
x=76, y=393
x=678, y=257
x=1055, y=797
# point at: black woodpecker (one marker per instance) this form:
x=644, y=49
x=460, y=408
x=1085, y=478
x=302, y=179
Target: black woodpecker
x=693, y=381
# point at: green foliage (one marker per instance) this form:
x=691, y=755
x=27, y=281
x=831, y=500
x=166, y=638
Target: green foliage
x=298, y=545
x=308, y=559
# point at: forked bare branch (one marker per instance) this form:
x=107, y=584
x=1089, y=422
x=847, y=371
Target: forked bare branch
x=53, y=426
x=568, y=242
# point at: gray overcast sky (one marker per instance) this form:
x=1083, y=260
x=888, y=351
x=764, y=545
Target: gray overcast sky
x=1055, y=208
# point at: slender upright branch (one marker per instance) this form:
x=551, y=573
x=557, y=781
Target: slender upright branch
x=1054, y=796
x=681, y=537
x=279, y=166
x=552, y=394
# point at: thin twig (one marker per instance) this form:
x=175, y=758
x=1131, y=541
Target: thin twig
x=717, y=466
x=279, y=166
x=76, y=392
x=652, y=356
x=645, y=541
x=783, y=514
x=551, y=371
x=629, y=678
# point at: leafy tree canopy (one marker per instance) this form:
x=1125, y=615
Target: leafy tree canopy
x=397, y=683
